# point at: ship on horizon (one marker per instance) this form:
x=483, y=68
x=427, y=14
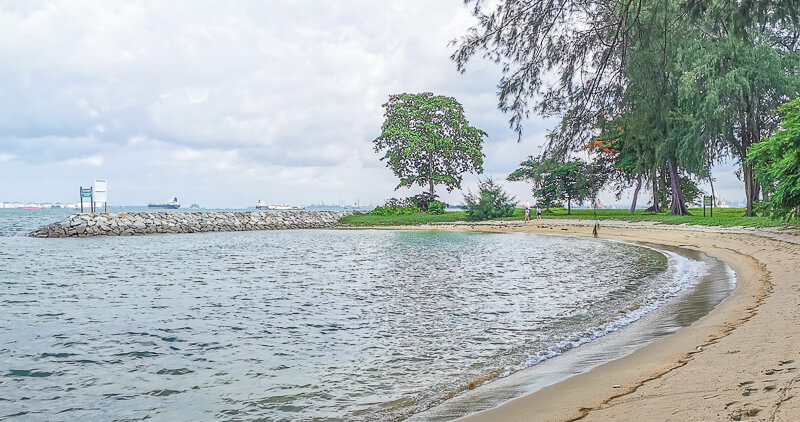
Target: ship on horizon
x=171, y=205
x=261, y=205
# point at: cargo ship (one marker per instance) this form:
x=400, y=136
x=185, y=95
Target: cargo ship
x=171, y=205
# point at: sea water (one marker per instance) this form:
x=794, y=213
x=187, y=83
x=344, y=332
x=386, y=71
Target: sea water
x=301, y=325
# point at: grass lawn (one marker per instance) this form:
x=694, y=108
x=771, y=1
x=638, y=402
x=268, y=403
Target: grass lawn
x=725, y=217
x=359, y=219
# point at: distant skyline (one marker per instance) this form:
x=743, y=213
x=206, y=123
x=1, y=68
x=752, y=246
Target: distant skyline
x=223, y=104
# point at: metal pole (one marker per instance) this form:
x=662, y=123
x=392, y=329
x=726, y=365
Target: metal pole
x=81, y=199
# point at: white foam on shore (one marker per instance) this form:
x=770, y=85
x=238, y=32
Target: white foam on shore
x=682, y=274
x=663, y=292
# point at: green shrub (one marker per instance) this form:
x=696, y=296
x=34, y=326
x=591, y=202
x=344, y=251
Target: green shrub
x=436, y=207
x=422, y=200
x=490, y=202
x=411, y=205
x=397, y=202
x=395, y=210
x=776, y=165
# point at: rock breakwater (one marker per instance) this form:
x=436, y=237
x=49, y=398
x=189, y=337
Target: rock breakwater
x=132, y=224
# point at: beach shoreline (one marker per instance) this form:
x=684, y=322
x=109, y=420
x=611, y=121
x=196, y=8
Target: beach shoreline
x=739, y=362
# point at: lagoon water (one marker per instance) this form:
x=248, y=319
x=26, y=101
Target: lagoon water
x=300, y=325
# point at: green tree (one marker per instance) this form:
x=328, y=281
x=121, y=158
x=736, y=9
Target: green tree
x=490, y=202
x=561, y=58
x=662, y=121
x=555, y=180
x=611, y=58
x=776, y=163
x=696, y=80
x=614, y=163
x=428, y=141
x=743, y=65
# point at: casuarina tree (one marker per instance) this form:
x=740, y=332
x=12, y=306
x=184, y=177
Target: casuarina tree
x=427, y=141
x=491, y=201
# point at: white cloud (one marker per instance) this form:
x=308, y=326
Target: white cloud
x=5, y=157
x=225, y=101
x=92, y=161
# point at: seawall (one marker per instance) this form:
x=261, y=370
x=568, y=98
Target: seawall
x=133, y=224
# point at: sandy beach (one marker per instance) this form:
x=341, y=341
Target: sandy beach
x=740, y=362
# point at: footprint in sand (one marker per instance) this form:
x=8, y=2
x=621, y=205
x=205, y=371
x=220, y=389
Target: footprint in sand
x=743, y=413
x=775, y=371
x=749, y=391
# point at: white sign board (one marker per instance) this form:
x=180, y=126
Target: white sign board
x=101, y=190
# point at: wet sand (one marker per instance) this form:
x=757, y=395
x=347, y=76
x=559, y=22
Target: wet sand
x=740, y=362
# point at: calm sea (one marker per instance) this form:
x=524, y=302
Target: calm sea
x=300, y=325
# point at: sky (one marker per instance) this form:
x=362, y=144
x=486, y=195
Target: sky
x=223, y=103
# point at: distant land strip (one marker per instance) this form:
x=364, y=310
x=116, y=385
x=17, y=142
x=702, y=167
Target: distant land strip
x=141, y=223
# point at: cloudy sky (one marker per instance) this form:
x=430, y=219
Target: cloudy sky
x=224, y=103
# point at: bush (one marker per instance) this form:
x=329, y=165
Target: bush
x=394, y=206
x=397, y=202
x=422, y=200
x=411, y=205
x=395, y=210
x=776, y=165
x=490, y=202
x=436, y=207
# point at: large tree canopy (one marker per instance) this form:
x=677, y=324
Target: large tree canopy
x=742, y=66
x=428, y=141
x=555, y=181
x=776, y=163
x=563, y=58
x=693, y=80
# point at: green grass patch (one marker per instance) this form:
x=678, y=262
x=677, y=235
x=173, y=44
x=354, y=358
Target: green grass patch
x=401, y=220
x=724, y=217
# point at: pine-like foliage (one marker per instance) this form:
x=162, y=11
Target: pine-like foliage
x=490, y=202
x=691, y=82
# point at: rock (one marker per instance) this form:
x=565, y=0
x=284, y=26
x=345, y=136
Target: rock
x=84, y=225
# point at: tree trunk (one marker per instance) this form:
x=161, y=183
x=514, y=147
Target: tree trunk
x=569, y=205
x=430, y=175
x=750, y=190
x=713, y=194
x=678, y=206
x=749, y=135
x=656, y=207
x=636, y=193
x=663, y=180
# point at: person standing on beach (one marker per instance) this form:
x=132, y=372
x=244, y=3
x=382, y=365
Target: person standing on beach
x=538, y=212
x=527, y=213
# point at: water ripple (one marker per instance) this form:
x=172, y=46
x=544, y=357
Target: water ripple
x=310, y=325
